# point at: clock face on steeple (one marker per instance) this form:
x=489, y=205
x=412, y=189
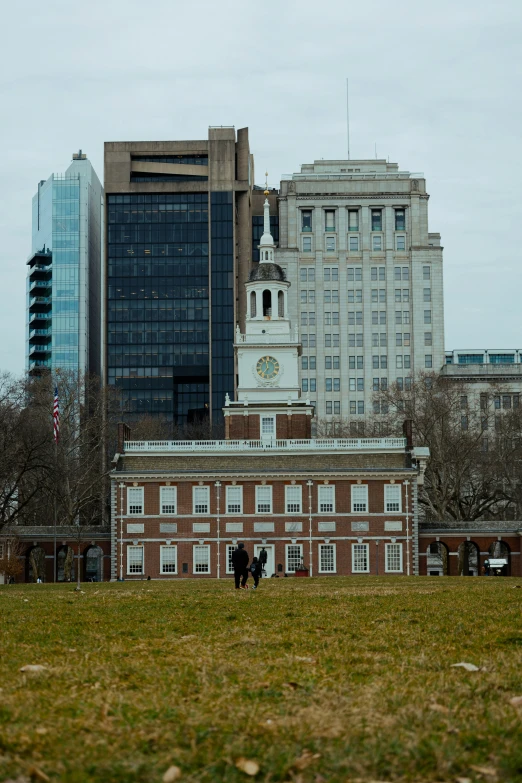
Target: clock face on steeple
x=267, y=368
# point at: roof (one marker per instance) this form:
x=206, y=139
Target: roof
x=266, y=271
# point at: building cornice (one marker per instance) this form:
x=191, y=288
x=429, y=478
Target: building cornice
x=192, y=475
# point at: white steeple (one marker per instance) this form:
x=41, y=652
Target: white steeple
x=266, y=245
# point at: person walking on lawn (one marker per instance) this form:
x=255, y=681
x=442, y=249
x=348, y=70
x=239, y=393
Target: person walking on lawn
x=240, y=560
x=255, y=570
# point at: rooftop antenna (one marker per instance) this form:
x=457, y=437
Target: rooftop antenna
x=375, y=150
x=348, y=118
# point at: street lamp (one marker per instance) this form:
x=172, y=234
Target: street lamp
x=218, y=495
x=122, y=487
x=407, y=484
x=310, y=484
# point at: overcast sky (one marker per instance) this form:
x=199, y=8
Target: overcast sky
x=436, y=84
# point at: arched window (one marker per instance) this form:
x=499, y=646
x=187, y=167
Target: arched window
x=438, y=560
x=499, y=550
x=93, y=564
x=65, y=564
x=253, y=305
x=281, y=304
x=267, y=304
x=469, y=560
x=35, y=564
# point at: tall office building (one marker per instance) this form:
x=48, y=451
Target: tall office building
x=179, y=244
x=64, y=272
x=366, y=281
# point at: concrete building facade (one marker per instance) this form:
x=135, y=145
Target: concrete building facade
x=64, y=272
x=179, y=243
x=489, y=379
x=366, y=277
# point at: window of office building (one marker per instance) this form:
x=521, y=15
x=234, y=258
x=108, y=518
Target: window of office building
x=400, y=220
x=353, y=220
x=161, y=242
x=306, y=220
x=331, y=274
x=329, y=220
x=376, y=219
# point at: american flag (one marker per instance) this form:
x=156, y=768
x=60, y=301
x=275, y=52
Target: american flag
x=56, y=416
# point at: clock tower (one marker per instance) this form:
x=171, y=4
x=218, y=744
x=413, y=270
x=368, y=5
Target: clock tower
x=268, y=406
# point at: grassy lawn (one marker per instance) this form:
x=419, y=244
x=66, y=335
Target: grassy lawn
x=332, y=679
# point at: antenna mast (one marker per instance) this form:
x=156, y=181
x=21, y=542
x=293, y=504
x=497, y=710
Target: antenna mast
x=348, y=118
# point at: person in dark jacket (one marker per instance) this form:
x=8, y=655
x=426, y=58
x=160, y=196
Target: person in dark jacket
x=263, y=558
x=255, y=570
x=240, y=560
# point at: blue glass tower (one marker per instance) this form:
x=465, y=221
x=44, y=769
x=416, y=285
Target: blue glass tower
x=64, y=272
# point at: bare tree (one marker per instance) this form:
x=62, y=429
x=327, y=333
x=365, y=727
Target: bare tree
x=465, y=479
x=11, y=553
x=24, y=453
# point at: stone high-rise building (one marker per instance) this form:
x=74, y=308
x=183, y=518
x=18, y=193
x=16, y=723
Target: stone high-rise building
x=366, y=278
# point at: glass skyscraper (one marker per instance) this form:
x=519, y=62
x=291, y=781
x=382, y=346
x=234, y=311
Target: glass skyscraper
x=178, y=240
x=64, y=272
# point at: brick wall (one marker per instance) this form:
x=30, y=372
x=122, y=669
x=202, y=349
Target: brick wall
x=350, y=528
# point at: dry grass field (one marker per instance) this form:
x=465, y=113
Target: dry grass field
x=311, y=681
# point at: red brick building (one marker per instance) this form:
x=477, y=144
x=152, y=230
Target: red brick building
x=53, y=554
x=340, y=506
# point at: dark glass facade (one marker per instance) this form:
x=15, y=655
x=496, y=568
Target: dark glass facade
x=222, y=310
x=158, y=302
x=257, y=232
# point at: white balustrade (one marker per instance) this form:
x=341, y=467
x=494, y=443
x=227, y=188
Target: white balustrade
x=198, y=446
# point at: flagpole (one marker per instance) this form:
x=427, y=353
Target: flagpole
x=56, y=432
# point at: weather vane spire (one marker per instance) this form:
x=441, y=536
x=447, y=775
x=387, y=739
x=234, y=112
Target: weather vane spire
x=267, y=192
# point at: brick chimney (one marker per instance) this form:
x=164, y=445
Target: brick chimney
x=123, y=435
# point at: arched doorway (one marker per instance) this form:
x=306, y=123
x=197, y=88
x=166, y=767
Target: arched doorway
x=469, y=559
x=92, y=564
x=65, y=564
x=437, y=559
x=35, y=564
x=499, y=550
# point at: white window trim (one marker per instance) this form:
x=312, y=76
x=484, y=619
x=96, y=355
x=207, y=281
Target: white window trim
x=267, y=435
x=200, y=546
x=287, y=569
x=361, y=571
x=169, y=502
x=171, y=548
x=265, y=487
x=228, y=569
x=235, y=487
x=326, y=571
x=393, y=570
x=358, y=486
x=387, y=501
x=141, y=490
x=200, y=513
x=136, y=573
x=287, y=488
x=321, y=489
